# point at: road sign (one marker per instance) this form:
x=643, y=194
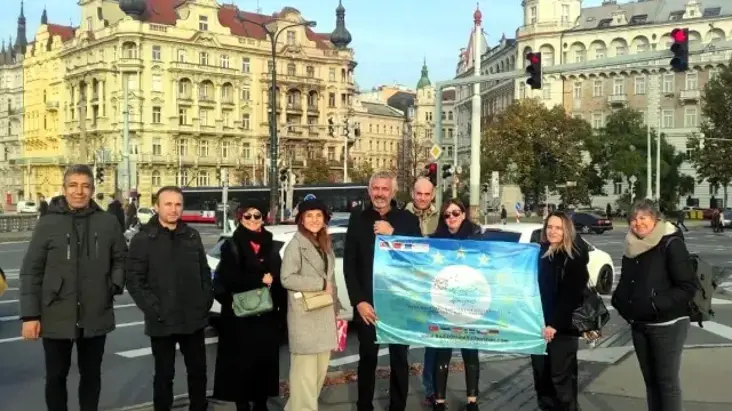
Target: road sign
x=495, y=184
x=435, y=152
x=633, y=179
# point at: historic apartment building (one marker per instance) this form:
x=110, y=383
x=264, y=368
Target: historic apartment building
x=565, y=32
x=423, y=122
x=197, y=76
x=380, y=127
x=12, y=188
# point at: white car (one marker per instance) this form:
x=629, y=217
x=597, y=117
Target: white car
x=144, y=214
x=601, y=268
x=282, y=235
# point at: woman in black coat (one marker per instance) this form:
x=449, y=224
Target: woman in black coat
x=563, y=276
x=454, y=224
x=247, y=363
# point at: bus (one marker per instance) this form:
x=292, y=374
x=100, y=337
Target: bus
x=202, y=203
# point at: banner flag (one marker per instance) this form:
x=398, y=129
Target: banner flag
x=458, y=294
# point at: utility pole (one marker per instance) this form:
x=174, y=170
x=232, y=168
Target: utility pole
x=83, y=150
x=649, y=147
x=658, y=158
x=225, y=198
x=438, y=143
x=125, y=166
x=475, y=122
x=345, y=150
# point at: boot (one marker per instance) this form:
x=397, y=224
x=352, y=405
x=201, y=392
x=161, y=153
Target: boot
x=472, y=406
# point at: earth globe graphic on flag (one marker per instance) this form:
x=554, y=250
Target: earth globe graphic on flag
x=309, y=197
x=461, y=294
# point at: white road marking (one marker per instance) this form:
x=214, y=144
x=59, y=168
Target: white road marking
x=120, y=325
x=15, y=317
x=717, y=329
x=142, y=352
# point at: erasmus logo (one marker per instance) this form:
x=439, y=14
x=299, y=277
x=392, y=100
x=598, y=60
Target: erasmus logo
x=461, y=294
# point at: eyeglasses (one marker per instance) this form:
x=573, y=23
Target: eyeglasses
x=453, y=213
x=255, y=216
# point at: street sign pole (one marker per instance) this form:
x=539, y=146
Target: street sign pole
x=438, y=144
x=225, y=198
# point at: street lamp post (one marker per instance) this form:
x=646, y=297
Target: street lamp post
x=273, y=35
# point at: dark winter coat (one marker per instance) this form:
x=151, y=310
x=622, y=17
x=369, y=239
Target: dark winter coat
x=73, y=268
x=562, y=281
x=247, y=360
x=115, y=208
x=358, y=259
x=658, y=285
x=169, y=279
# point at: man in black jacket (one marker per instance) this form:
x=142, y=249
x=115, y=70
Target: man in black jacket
x=72, y=270
x=169, y=279
x=381, y=218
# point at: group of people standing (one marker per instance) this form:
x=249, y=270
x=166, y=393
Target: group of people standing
x=77, y=262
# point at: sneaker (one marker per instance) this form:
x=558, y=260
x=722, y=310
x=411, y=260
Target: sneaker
x=472, y=406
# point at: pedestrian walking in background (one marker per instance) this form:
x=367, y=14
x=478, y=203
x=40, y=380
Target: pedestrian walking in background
x=381, y=217
x=115, y=208
x=307, y=274
x=504, y=215
x=73, y=269
x=454, y=224
x=658, y=305
x=169, y=279
x=680, y=220
x=423, y=193
x=247, y=359
x=42, y=207
x=131, y=214
x=563, y=276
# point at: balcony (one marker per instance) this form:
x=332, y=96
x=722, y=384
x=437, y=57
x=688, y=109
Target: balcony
x=690, y=95
x=178, y=66
x=292, y=79
x=129, y=64
x=313, y=110
x=228, y=101
x=185, y=98
x=279, y=107
x=294, y=108
x=206, y=100
x=617, y=100
x=52, y=105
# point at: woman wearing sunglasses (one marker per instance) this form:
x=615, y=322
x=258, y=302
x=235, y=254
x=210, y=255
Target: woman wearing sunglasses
x=247, y=362
x=454, y=224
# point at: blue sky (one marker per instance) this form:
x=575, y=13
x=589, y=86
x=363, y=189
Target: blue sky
x=391, y=38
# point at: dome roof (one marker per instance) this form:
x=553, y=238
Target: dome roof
x=340, y=37
x=133, y=8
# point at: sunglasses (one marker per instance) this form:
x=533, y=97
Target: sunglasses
x=255, y=216
x=453, y=213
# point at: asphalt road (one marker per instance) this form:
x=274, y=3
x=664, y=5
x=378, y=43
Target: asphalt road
x=128, y=369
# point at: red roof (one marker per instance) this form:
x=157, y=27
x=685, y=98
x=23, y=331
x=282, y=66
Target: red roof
x=65, y=32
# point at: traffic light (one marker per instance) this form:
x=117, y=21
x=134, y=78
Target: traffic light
x=431, y=169
x=485, y=187
x=680, y=48
x=331, y=127
x=346, y=131
x=100, y=175
x=357, y=132
x=283, y=175
x=447, y=171
x=533, y=69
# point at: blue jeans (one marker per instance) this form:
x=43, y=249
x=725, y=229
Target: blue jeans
x=428, y=371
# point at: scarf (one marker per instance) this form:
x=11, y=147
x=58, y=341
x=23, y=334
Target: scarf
x=635, y=246
x=259, y=241
x=467, y=230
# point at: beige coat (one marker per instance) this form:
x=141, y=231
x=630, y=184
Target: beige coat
x=303, y=269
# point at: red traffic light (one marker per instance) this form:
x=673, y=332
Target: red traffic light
x=533, y=58
x=432, y=168
x=679, y=35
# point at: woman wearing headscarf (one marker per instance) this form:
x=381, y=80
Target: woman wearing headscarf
x=307, y=274
x=563, y=277
x=657, y=285
x=454, y=224
x=247, y=363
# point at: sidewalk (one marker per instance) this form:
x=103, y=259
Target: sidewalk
x=11, y=236
x=506, y=384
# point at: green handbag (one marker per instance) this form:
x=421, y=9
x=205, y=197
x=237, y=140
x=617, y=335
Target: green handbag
x=251, y=303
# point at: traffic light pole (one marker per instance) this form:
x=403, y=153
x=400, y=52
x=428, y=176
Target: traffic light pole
x=438, y=142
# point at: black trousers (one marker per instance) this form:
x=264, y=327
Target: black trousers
x=659, y=349
x=442, y=370
x=368, y=355
x=57, y=353
x=193, y=348
x=555, y=375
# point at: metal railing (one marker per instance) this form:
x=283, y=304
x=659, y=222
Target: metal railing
x=10, y=223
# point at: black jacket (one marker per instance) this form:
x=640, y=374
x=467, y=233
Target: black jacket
x=169, y=279
x=73, y=268
x=358, y=258
x=657, y=285
x=115, y=208
x=562, y=281
x=467, y=231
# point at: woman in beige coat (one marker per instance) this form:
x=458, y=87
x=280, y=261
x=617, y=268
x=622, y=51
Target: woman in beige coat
x=307, y=268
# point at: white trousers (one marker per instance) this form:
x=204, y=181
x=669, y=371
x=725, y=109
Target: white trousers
x=307, y=375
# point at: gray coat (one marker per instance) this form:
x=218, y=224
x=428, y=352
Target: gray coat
x=303, y=269
x=72, y=270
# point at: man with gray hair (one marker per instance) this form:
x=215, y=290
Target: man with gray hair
x=71, y=272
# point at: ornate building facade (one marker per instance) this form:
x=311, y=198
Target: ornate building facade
x=197, y=76
x=381, y=127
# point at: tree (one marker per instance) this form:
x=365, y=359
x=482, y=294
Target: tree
x=413, y=154
x=361, y=173
x=711, y=152
x=618, y=153
x=537, y=148
x=317, y=171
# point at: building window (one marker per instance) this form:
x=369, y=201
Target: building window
x=155, y=180
x=668, y=83
x=690, y=117
x=156, y=115
x=579, y=56
x=203, y=179
x=618, y=188
x=157, y=82
x=577, y=91
x=157, y=147
x=331, y=153
x=245, y=65
x=621, y=51
x=713, y=189
x=641, y=47
x=331, y=74
x=203, y=23
x=331, y=100
x=181, y=56
x=203, y=58
x=245, y=94
x=183, y=116
x=270, y=66
x=291, y=69
x=156, y=53
x=565, y=13
x=597, y=122
x=226, y=118
x=640, y=85
x=225, y=148
x=224, y=61
x=182, y=178
x=667, y=119
x=532, y=15
x=449, y=116
x=546, y=91
x=245, y=121
x=246, y=151
x=203, y=117
x=183, y=147
x=203, y=148
x=600, y=53
x=692, y=81
x=598, y=89
x=619, y=86
x=310, y=71
x=184, y=90
x=290, y=37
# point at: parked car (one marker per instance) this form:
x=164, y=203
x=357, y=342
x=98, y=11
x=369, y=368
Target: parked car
x=589, y=222
x=282, y=235
x=601, y=268
x=144, y=214
x=26, y=207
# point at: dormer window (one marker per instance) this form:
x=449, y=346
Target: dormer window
x=639, y=19
x=203, y=23
x=604, y=23
x=532, y=15
x=676, y=15
x=712, y=11
x=290, y=37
